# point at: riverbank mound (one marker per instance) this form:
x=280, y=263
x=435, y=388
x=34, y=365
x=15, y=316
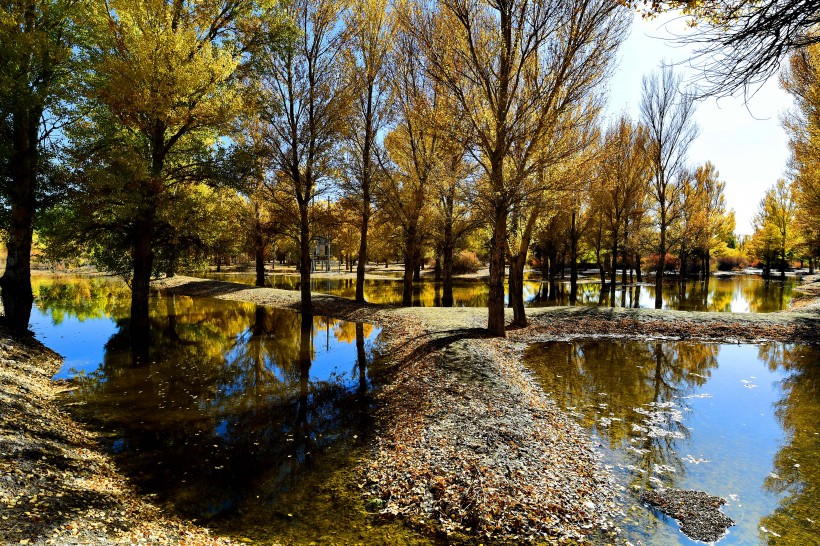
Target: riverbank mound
x=55, y=485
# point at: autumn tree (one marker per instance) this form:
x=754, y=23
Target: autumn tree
x=704, y=221
x=621, y=185
x=39, y=72
x=802, y=81
x=512, y=67
x=454, y=186
x=413, y=151
x=774, y=237
x=372, y=30
x=305, y=105
x=668, y=115
x=163, y=89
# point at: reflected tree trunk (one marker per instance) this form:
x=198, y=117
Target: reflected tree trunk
x=301, y=429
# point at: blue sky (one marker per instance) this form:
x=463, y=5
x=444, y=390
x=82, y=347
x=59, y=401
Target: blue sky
x=744, y=140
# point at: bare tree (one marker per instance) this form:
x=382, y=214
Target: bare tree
x=308, y=100
x=741, y=43
x=668, y=115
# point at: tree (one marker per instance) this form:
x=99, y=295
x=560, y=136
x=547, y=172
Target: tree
x=413, y=150
x=454, y=221
x=39, y=53
x=622, y=184
x=512, y=67
x=802, y=81
x=704, y=222
x=305, y=105
x=163, y=89
x=372, y=31
x=668, y=115
x=774, y=235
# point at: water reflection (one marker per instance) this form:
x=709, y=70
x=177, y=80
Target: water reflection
x=232, y=398
x=738, y=294
x=700, y=416
x=796, y=474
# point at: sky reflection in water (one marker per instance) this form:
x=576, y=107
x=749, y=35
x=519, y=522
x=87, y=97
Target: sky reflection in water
x=738, y=421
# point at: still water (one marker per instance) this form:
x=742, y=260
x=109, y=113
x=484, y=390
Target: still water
x=252, y=419
x=738, y=421
x=246, y=417
x=735, y=294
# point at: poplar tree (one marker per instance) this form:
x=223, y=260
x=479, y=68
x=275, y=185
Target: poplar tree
x=39, y=70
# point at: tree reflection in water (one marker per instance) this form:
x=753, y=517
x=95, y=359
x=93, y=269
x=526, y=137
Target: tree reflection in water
x=234, y=404
x=796, y=473
x=721, y=294
x=645, y=401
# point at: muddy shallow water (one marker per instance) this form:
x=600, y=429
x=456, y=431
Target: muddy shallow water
x=738, y=421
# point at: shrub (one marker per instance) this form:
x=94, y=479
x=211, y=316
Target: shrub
x=465, y=262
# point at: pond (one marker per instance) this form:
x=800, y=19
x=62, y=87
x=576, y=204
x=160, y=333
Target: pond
x=735, y=294
x=738, y=421
x=250, y=418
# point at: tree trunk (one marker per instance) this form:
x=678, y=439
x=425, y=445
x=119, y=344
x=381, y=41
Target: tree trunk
x=614, y=273
x=448, y=250
x=573, y=265
x=409, y=267
x=260, y=263
x=16, y=280
x=304, y=259
x=495, y=299
x=782, y=264
x=517, y=264
x=625, y=253
x=360, y=265
x=638, y=275
x=661, y=263
x=437, y=268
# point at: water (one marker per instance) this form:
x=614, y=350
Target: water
x=738, y=421
x=249, y=418
x=736, y=294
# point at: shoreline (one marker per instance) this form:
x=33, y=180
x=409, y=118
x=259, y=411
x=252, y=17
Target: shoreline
x=56, y=485
x=460, y=417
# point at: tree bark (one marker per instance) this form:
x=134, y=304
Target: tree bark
x=409, y=267
x=16, y=280
x=517, y=263
x=573, y=256
x=495, y=299
x=260, y=264
x=362, y=262
x=661, y=263
x=638, y=274
x=304, y=258
x=614, y=273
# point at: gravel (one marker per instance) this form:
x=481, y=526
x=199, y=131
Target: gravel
x=698, y=513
